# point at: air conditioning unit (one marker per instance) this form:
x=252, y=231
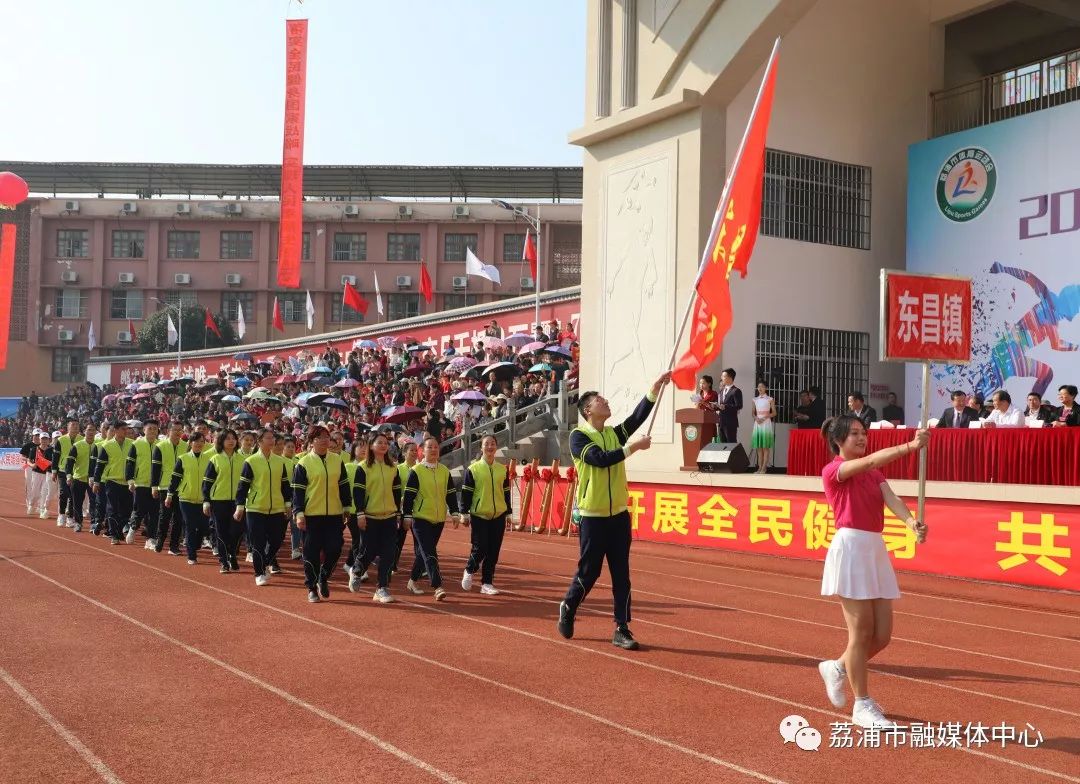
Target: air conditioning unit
x=182, y=279
x=71, y=206
x=352, y=210
x=127, y=277
x=232, y=279
x=129, y=208
x=404, y=211
x=461, y=211
x=527, y=283
x=123, y=336
x=234, y=208
x=404, y=281
x=69, y=276
x=461, y=281
x=350, y=279
x=183, y=208
x=65, y=335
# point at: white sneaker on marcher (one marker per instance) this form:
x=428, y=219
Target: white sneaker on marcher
x=413, y=588
x=69, y=521
x=151, y=544
x=466, y=581
x=262, y=579
x=489, y=590
x=129, y=537
x=250, y=558
x=29, y=511
x=348, y=570
x=382, y=596
x=867, y=714
x=834, y=682
x=295, y=555
x=363, y=575
x=60, y=521
x=44, y=514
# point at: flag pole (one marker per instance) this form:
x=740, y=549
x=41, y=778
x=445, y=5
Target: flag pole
x=179, y=334
x=712, y=230
x=536, y=283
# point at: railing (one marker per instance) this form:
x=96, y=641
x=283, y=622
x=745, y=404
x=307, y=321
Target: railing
x=1022, y=90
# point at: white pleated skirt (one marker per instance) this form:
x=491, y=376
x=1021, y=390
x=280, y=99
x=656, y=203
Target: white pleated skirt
x=857, y=566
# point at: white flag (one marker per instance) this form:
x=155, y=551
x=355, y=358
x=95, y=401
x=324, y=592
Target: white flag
x=378, y=295
x=473, y=266
x=310, y=312
x=241, y=325
x=171, y=335
x=91, y=339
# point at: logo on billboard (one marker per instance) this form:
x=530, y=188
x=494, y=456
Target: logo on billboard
x=966, y=184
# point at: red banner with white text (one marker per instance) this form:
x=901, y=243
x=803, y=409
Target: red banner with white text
x=927, y=317
x=290, y=227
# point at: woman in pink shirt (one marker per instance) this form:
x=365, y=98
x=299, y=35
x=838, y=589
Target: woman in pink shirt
x=857, y=566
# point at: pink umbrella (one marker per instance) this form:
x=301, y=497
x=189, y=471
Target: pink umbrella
x=141, y=396
x=286, y=379
x=536, y=345
x=389, y=342
x=346, y=383
x=149, y=386
x=490, y=342
x=401, y=414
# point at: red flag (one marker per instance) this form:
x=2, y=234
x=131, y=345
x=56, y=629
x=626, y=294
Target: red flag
x=42, y=462
x=211, y=324
x=528, y=253
x=131, y=329
x=352, y=298
x=279, y=322
x=731, y=241
x=292, y=155
x=425, y=283
x=7, y=278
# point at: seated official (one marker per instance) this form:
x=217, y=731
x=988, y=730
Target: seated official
x=804, y=411
x=959, y=415
x=1068, y=414
x=1002, y=413
x=1037, y=410
x=892, y=411
x=857, y=404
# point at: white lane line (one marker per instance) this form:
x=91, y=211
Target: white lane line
x=67, y=735
x=640, y=735
x=404, y=756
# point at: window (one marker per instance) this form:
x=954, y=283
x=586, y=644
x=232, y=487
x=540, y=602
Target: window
x=236, y=245
x=790, y=359
x=126, y=304
x=350, y=315
x=454, y=246
x=403, y=306
x=69, y=364
x=305, y=245
x=350, y=247
x=293, y=307
x=452, y=301
x=403, y=247
x=232, y=300
x=816, y=200
x=71, y=303
x=179, y=298
x=128, y=244
x=513, y=246
x=72, y=243
x=182, y=245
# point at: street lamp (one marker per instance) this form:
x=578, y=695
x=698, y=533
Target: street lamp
x=535, y=224
x=179, y=331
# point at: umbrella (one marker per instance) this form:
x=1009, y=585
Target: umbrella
x=474, y=372
x=149, y=386
x=490, y=342
x=219, y=393
x=400, y=414
x=540, y=367
x=469, y=394
x=108, y=399
x=243, y=381
x=264, y=362
x=365, y=343
x=460, y=364
x=502, y=370
x=323, y=369
x=317, y=398
x=230, y=399
x=557, y=349
x=141, y=396
x=415, y=347
x=335, y=402
x=244, y=416
x=517, y=340
x=536, y=345
x=389, y=342
x=132, y=387
x=273, y=358
x=212, y=381
x=286, y=379
x=243, y=355
x=346, y=383
x=167, y=382
x=416, y=370
x=389, y=426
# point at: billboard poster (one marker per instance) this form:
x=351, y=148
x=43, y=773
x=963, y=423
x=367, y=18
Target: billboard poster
x=1000, y=204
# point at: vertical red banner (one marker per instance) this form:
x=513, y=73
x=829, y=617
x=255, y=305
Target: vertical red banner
x=292, y=156
x=7, y=281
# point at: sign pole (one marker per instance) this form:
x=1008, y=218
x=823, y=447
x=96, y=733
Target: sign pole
x=924, y=421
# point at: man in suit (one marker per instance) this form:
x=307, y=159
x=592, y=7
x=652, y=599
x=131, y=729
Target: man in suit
x=959, y=415
x=1068, y=414
x=729, y=403
x=1037, y=410
x=857, y=405
x=892, y=411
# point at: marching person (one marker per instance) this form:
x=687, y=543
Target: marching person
x=63, y=448
x=356, y=537
x=288, y=454
x=109, y=477
x=320, y=495
x=599, y=452
x=857, y=567
x=409, y=452
x=261, y=500
x=220, y=483
x=40, y=487
x=29, y=452
x=77, y=471
x=430, y=498
x=98, y=500
x=137, y=471
x=169, y=522
x=185, y=489
x=377, y=498
x=485, y=493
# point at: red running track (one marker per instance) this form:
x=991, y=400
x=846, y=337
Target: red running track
x=122, y=665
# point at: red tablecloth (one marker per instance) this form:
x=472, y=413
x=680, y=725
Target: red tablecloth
x=1049, y=456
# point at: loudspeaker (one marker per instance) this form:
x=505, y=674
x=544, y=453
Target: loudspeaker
x=723, y=458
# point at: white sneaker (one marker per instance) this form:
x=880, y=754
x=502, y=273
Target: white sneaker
x=59, y=521
x=348, y=570
x=129, y=537
x=867, y=714
x=489, y=590
x=29, y=511
x=466, y=582
x=363, y=576
x=69, y=521
x=206, y=544
x=296, y=555
x=150, y=545
x=382, y=596
x=262, y=579
x=250, y=558
x=44, y=514
x=440, y=594
x=354, y=583
x=413, y=588
x=834, y=682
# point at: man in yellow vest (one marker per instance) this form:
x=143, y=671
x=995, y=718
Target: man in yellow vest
x=63, y=447
x=138, y=472
x=162, y=462
x=599, y=452
x=77, y=471
x=109, y=478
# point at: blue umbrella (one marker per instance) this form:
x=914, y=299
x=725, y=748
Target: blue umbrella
x=557, y=349
x=243, y=355
x=230, y=399
x=540, y=367
x=365, y=344
x=335, y=402
x=243, y=381
x=323, y=369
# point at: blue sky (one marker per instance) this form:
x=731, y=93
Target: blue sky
x=416, y=82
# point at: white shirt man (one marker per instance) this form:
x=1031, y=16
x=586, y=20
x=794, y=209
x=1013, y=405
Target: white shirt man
x=1004, y=415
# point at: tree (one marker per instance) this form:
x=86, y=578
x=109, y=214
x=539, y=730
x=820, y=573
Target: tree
x=153, y=337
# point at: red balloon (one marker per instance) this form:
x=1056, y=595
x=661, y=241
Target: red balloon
x=13, y=190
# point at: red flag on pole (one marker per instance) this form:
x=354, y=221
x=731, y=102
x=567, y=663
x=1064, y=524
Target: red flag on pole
x=279, y=322
x=292, y=155
x=425, y=283
x=528, y=253
x=352, y=298
x=731, y=241
x=131, y=329
x=7, y=279
x=211, y=324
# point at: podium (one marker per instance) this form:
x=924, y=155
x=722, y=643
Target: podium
x=698, y=429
